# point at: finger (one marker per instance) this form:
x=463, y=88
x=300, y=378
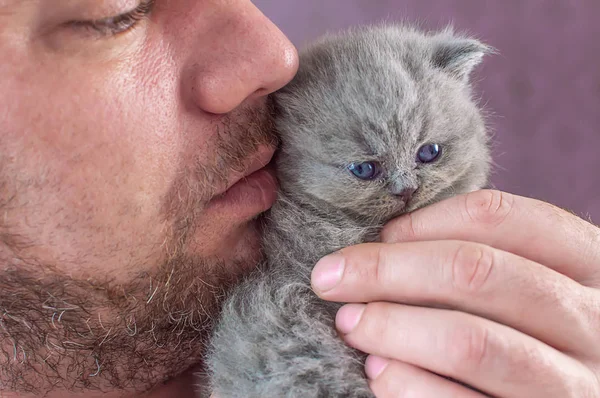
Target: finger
x=468, y=277
x=529, y=228
x=492, y=358
x=391, y=378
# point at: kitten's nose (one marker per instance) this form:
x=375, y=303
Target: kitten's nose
x=406, y=193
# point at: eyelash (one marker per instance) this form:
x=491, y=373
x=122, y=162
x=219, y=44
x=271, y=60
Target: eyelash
x=119, y=24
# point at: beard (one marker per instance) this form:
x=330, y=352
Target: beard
x=59, y=333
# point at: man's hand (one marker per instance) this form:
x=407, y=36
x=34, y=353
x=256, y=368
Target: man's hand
x=496, y=291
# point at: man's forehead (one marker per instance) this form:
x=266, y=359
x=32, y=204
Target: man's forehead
x=7, y=5
x=10, y=3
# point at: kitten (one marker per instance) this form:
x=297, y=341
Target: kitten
x=379, y=121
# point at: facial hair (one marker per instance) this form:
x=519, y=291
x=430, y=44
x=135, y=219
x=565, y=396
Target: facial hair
x=59, y=333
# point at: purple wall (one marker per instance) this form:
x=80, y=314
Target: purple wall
x=543, y=88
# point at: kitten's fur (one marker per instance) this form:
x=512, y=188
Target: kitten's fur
x=370, y=94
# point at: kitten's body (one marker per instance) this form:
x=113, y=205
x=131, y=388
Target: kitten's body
x=370, y=95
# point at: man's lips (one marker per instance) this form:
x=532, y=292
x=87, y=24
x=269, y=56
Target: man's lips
x=254, y=191
x=261, y=159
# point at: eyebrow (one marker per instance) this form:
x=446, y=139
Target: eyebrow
x=105, y=5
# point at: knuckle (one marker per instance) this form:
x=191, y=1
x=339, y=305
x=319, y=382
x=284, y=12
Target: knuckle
x=532, y=362
x=523, y=362
x=572, y=303
x=591, y=245
x=400, y=230
x=380, y=267
x=410, y=233
x=584, y=384
x=555, y=293
x=383, y=271
x=588, y=315
x=488, y=207
x=469, y=349
x=592, y=388
x=471, y=267
x=585, y=388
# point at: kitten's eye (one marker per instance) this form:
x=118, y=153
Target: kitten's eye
x=365, y=170
x=429, y=153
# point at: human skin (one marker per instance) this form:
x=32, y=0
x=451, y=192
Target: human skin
x=497, y=291
x=111, y=153
x=116, y=143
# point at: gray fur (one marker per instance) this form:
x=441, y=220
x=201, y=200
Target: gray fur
x=370, y=94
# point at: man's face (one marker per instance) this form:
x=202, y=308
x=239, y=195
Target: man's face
x=122, y=123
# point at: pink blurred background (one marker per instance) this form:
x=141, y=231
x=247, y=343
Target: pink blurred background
x=543, y=88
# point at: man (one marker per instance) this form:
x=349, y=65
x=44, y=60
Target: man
x=133, y=140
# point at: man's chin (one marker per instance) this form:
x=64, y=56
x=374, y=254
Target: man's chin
x=88, y=335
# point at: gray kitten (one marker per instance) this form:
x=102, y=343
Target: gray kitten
x=379, y=121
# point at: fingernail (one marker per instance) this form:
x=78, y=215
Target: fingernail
x=374, y=365
x=328, y=272
x=348, y=317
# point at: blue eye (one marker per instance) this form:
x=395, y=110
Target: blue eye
x=365, y=170
x=429, y=153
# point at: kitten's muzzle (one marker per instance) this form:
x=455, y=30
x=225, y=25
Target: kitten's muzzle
x=405, y=194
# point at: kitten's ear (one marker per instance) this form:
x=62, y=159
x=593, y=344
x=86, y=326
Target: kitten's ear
x=457, y=55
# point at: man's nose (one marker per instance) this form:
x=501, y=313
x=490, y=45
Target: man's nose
x=247, y=57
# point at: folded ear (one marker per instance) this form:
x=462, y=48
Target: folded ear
x=458, y=56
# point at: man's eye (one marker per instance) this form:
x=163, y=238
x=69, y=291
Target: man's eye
x=118, y=24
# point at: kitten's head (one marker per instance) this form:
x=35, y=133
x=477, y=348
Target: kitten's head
x=381, y=120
